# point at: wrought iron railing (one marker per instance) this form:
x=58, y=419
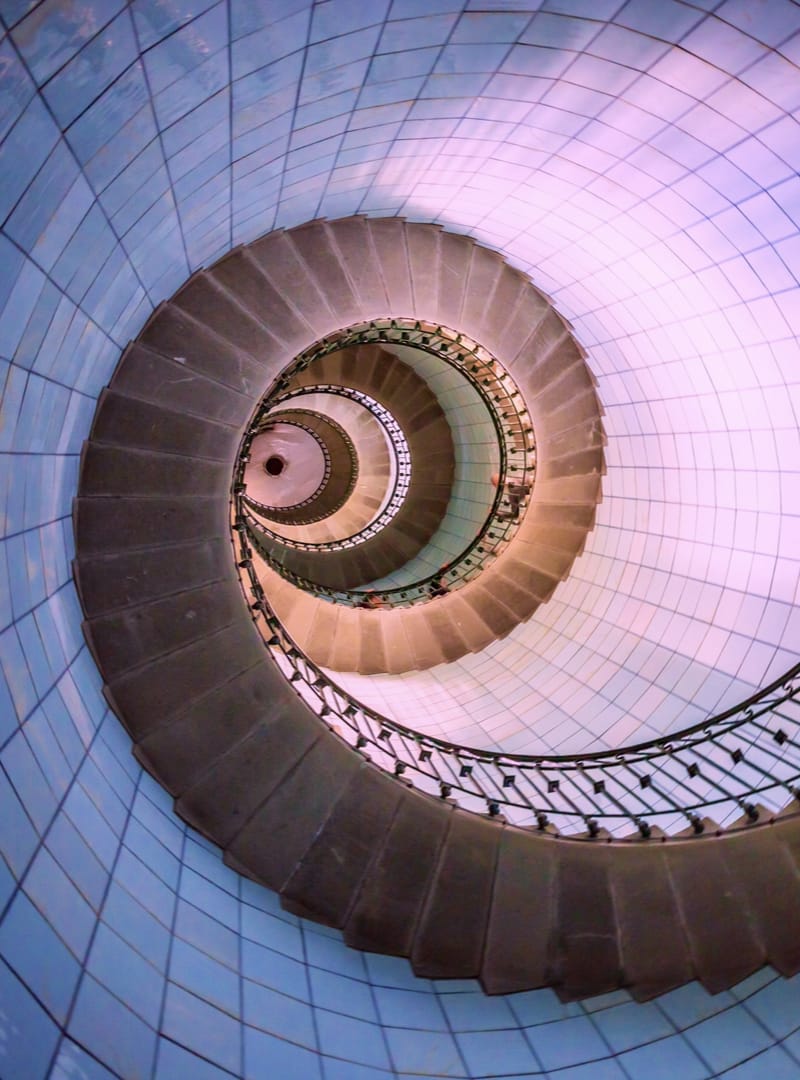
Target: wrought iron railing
x=264, y=510
x=720, y=768
x=402, y=469
x=516, y=472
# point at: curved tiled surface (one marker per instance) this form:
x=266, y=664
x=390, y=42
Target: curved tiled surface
x=718, y=217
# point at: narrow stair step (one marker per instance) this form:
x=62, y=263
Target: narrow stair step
x=130, y=637
x=175, y=333
x=450, y=936
x=235, y=788
x=173, y=384
x=653, y=945
x=118, y=471
x=109, y=525
x=129, y=422
x=385, y=914
x=271, y=842
x=327, y=878
x=178, y=752
x=722, y=938
x=586, y=956
x=152, y=696
x=522, y=916
x=352, y=239
x=389, y=243
x=109, y=582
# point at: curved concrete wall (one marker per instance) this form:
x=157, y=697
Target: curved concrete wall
x=129, y=158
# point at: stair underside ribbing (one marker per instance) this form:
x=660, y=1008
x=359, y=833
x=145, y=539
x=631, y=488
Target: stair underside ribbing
x=248, y=763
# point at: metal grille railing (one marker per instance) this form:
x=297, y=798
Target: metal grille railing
x=721, y=768
x=515, y=440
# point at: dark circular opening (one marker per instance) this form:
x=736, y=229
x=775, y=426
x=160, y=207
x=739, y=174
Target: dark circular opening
x=274, y=466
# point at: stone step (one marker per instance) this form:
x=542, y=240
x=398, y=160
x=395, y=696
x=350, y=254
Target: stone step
x=109, y=525
x=499, y=309
x=118, y=471
x=152, y=377
x=372, y=652
x=585, y=958
x=761, y=859
x=652, y=942
x=517, y=952
x=129, y=422
x=389, y=244
x=330, y=873
x=109, y=582
x=723, y=942
x=315, y=247
x=453, y=643
x=397, y=645
x=132, y=636
x=282, y=815
x=585, y=436
x=280, y=262
x=389, y=905
x=450, y=935
x=149, y=697
x=455, y=252
x=500, y=619
x=241, y=275
x=214, y=307
x=423, y=256
x=178, y=752
x=352, y=238
x=186, y=340
x=485, y=267
x=581, y=463
x=234, y=789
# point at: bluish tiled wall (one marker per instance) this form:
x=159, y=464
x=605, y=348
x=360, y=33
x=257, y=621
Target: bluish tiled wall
x=138, y=142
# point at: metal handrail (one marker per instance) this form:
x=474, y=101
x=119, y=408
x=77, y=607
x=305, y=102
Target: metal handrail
x=720, y=766
x=515, y=441
x=263, y=510
x=400, y=450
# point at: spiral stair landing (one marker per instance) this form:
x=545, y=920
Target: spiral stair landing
x=257, y=772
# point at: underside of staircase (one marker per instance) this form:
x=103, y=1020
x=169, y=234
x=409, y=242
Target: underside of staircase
x=246, y=760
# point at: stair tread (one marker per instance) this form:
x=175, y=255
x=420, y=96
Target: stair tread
x=120, y=524
x=223, y=801
x=172, y=384
x=525, y=885
x=177, y=334
x=179, y=751
x=715, y=916
x=126, y=639
x=272, y=841
x=328, y=876
x=585, y=956
x=653, y=945
x=128, y=471
x=125, y=421
x=388, y=907
x=110, y=582
x=148, y=697
x=450, y=936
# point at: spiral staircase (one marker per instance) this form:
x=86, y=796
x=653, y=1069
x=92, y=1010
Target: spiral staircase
x=216, y=670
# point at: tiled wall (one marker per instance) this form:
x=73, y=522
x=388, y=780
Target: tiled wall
x=653, y=192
